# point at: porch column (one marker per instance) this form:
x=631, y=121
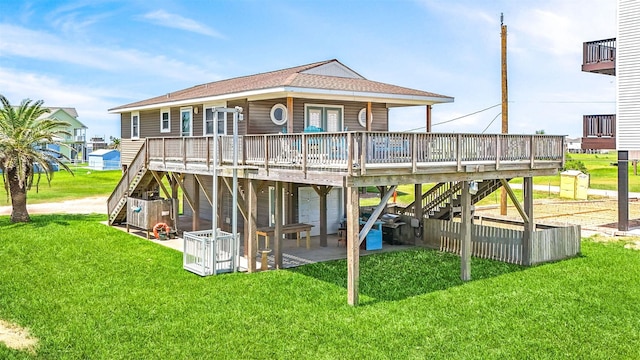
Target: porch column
x=529, y=226
x=353, y=244
x=289, y=115
x=277, y=241
x=369, y=117
x=428, y=127
x=465, y=233
x=251, y=199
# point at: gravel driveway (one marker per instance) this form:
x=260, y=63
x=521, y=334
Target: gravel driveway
x=80, y=206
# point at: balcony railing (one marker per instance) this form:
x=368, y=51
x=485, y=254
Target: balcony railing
x=599, y=56
x=354, y=153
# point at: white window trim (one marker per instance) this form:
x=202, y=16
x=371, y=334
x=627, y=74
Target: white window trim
x=135, y=114
x=364, y=110
x=204, y=117
x=190, y=110
x=341, y=107
x=168, y=111
x=285, y=113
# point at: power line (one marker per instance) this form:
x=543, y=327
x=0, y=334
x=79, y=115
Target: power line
x=494, y=119
x=458, y=118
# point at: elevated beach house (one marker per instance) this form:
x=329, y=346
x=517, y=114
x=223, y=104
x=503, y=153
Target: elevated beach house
x=309, y=138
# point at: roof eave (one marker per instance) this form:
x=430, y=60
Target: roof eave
x=300, y=92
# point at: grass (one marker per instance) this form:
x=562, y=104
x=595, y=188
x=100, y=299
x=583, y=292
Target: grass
x=64, y=186
x=89, y=291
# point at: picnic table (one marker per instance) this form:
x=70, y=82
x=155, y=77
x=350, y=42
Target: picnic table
x=296, y=228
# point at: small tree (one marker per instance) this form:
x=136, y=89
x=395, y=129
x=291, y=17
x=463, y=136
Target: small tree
x=115, y=143
x=24, y=152
x=540, y=132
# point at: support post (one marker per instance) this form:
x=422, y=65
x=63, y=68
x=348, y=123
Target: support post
x=353, y=244
x=465, y=233
x=323, y=216
x=277, y=241
x=174, y=195
x=428, y=118
x=417, y=209
x=623, y=190
x=195, y=220
x=529, y=226
x=251, y=226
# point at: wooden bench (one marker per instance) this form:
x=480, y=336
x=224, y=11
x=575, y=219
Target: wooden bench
x=286, y=229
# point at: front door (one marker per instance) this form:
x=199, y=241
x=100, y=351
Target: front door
x=186, y=119
x=325, y=117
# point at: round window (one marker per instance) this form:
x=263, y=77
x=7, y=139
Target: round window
x=362, y=117
x=279, y=114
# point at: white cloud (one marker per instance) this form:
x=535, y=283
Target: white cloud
x=19, y=41
x=559, y=27
x=91, y=102
x=163, y=18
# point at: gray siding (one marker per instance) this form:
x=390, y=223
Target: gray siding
x=257, y=118
x=628, y=74
x=260, y=120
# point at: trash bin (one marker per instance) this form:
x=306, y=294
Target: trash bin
x=574, y=185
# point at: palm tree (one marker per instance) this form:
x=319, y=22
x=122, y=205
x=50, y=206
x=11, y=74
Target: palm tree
x=23, y=150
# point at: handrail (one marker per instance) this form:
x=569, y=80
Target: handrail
x=139, y=161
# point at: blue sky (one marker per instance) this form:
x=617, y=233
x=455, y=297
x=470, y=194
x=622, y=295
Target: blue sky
x=98, y=54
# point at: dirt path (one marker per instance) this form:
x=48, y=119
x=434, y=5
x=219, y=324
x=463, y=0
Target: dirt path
x=80, y=206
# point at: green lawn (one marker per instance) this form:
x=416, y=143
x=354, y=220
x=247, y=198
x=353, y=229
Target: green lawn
x=88, y=291
x=64, y=186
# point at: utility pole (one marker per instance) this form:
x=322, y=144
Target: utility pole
x=505, y=102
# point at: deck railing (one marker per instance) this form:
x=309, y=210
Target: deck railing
x=599, y=51
x=599, y=125
x=354, y=152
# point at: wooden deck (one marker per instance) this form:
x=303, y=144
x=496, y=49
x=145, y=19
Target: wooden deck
x=363, y=158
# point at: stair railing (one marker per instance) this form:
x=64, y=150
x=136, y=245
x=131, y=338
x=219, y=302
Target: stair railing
x=122, y=188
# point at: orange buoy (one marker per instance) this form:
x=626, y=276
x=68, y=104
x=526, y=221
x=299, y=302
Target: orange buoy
x=159, y=226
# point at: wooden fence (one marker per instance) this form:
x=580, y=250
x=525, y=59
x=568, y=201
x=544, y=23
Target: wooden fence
x=504, y=244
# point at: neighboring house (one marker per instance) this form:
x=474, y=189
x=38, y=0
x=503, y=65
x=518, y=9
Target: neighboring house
x=310, y=137
x=96, y=143
x=76, y=140
x=104, y=159
x=574, y=146
x=618, y=57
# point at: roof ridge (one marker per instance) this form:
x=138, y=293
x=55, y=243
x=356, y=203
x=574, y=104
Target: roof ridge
x=299, y=68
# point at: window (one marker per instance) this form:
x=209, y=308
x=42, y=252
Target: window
x=279, y=114
x=208, y=122
x=165, y=120
x=135, y=125
x=362, y=117
x=185, y=121
x=328, y=118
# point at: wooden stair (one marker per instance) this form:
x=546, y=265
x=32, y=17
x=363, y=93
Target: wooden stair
x=133, y=180
x=442, y=197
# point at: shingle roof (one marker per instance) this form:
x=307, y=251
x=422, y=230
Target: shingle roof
x=290, y=77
